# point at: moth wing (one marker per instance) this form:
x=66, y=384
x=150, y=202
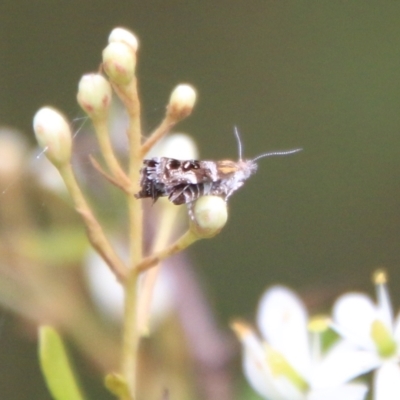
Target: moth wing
x=226, y=169
x=189, y=172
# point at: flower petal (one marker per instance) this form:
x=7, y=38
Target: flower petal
x=342, y=363
x=282, y=319
x=255, y=366
x=387, y=382
x=396, y=328
x=353, y=314
x=353, y=391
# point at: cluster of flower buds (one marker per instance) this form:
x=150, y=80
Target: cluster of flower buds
x=94, y=95
x=208, y=214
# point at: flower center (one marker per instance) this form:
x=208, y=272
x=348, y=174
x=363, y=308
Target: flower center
x=280, y=367
x=383, y=339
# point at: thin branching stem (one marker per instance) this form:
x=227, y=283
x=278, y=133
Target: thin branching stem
x=95, y=232
x=166, y=225
x=158, y=133
x=187, y=239
x=101, y=129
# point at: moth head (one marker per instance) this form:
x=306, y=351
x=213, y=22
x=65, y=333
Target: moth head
x=248, y=167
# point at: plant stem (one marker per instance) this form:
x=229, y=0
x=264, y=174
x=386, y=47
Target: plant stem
x=166, y=124
x=188, y=238
x=101, y=128
x=130, y=340
x=95, y=232
x=167, y=224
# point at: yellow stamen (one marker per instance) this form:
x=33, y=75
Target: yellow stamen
x=319, y=324
x=379, y=277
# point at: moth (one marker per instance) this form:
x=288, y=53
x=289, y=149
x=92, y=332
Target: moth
x=184, y=181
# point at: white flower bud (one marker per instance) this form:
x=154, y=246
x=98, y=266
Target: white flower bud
x=53, y=135
x=209, y=216
x=181, y=102
x=94, y=95
x=177, y=145
x=124, y=36
x=119, y=62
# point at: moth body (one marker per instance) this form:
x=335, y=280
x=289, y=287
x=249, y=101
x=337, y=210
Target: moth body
x=184, y=181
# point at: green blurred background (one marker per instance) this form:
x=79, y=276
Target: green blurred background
x=321, y=75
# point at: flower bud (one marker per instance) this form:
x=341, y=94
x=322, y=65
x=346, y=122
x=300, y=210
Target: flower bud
x=53, y=135
x=181, y=102
x=94, y=95
x=124, y=36
x=209, y=216
x=177, y=145
x=119, y=62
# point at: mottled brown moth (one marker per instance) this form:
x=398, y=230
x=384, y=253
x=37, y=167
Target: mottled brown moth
x=184, y=181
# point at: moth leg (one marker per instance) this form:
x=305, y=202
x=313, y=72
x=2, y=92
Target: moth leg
x=177, y=195
x=155, y=194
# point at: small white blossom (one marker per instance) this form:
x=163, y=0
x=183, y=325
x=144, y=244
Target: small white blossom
x=287, y=362
x=108, y=294
x=372, y=329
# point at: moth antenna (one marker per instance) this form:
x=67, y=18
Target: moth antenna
x=277, y=153
x=237, y=134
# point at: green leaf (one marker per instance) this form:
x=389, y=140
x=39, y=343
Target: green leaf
x=55, y=366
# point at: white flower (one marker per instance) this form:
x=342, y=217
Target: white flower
x=176, y=145
x=287, y=363
x=373, y=330
x=108, y=294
